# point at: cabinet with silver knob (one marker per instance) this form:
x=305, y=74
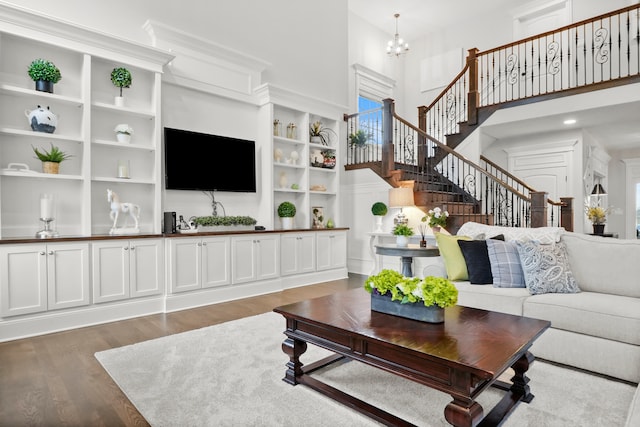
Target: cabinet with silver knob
x=123, y=269
x=41, y=277
x=196, y=263
x=255, y=257
x=297, y=253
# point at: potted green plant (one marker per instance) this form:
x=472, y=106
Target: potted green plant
x=411, y=297
x=286, y=212
x=45, y=74
x=121, y=78
x=379, y=210
x=357, y=142
x=359, y=138
x=319, y=133
x=402, y=233
x=51, y=159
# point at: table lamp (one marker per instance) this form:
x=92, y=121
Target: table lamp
x=400, y=198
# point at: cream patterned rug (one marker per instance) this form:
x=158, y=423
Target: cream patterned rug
x=231, y=375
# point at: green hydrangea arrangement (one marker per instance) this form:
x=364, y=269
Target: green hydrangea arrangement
x=431, y=290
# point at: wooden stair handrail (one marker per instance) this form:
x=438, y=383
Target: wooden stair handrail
x=454, y=153
x=557, y=30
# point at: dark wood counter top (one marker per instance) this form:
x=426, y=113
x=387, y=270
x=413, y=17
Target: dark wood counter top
x=95, y=237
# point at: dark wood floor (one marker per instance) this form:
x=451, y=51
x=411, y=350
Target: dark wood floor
x=55, y=380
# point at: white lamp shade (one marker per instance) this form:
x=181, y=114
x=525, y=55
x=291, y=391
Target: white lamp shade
x=401, y=197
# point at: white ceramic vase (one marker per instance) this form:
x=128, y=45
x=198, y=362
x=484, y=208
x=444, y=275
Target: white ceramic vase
x=119, y=101
x=378, y=224
x=287, y=223
x=123, y=137
x=402, y=241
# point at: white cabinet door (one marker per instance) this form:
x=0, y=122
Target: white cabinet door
x=307, y=253
x=185, y=264
x=243, y=259
x=297, y=253
x=146, y=273
x=289, y=253
x=268, y=256
x=331, y=250
x=68, y=275
x=215, y=261
x=110, y=270
x=23, y=279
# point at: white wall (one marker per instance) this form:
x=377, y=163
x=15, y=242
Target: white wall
x=485, y=32
x=302, y=43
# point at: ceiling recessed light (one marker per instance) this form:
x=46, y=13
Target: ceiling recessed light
x=569, y=121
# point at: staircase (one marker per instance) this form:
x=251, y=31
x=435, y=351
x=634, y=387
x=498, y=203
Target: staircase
x=593, y=54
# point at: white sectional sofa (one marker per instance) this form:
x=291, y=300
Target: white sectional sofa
x=597, y=328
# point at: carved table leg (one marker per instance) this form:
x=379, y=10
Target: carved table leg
x=520, y=380
x=461, y=413
x=294, y=349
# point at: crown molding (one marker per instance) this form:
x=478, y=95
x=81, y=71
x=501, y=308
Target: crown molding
x=269, y=93
x=37, y=26
x=207, y=66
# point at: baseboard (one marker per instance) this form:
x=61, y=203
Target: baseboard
x=57, y=321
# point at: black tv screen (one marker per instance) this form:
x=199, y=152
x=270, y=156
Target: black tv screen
x=200, y=161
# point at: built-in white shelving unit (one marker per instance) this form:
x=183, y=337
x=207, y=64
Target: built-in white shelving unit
x=294, y=168
x=83, y=101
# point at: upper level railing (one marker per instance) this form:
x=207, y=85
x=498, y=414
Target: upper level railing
x=603, y=51
x=463, y=188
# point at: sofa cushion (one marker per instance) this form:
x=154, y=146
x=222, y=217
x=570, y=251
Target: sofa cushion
x=545, y=235
x=606, y=316
x=452, y=256
x=477, y=260
x=506, y=269
x=546, y=268
x=606, y=265
x=486, y=297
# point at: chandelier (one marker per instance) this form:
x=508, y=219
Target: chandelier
x=397, y=46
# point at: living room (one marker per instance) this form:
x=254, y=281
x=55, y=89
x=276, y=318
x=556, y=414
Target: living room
x=299, y=51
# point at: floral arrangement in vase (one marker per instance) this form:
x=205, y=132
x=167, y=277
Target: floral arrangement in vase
x=597, y=214
x=319, y=133
x=123, y=132
x=436, y=217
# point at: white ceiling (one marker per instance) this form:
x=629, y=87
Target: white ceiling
x=416, y=15
x=617, y=127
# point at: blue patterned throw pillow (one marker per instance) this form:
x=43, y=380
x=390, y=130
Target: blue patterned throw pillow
x=546, y=268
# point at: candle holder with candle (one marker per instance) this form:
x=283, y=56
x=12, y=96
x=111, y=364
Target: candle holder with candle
x=47, y=209
x=123, y=169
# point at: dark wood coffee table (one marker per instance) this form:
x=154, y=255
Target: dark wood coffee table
x=462, y=356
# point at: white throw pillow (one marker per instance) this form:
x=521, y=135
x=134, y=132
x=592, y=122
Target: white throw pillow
x=544, y=235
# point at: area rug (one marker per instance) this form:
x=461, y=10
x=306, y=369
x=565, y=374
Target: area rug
x=231, y=375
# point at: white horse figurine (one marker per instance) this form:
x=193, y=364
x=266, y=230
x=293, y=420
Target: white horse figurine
x=116, y=207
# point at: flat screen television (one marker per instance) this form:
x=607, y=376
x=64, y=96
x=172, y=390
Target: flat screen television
x=200, y=161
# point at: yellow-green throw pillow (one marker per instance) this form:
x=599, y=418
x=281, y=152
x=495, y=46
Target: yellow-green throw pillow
x=452, y=256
